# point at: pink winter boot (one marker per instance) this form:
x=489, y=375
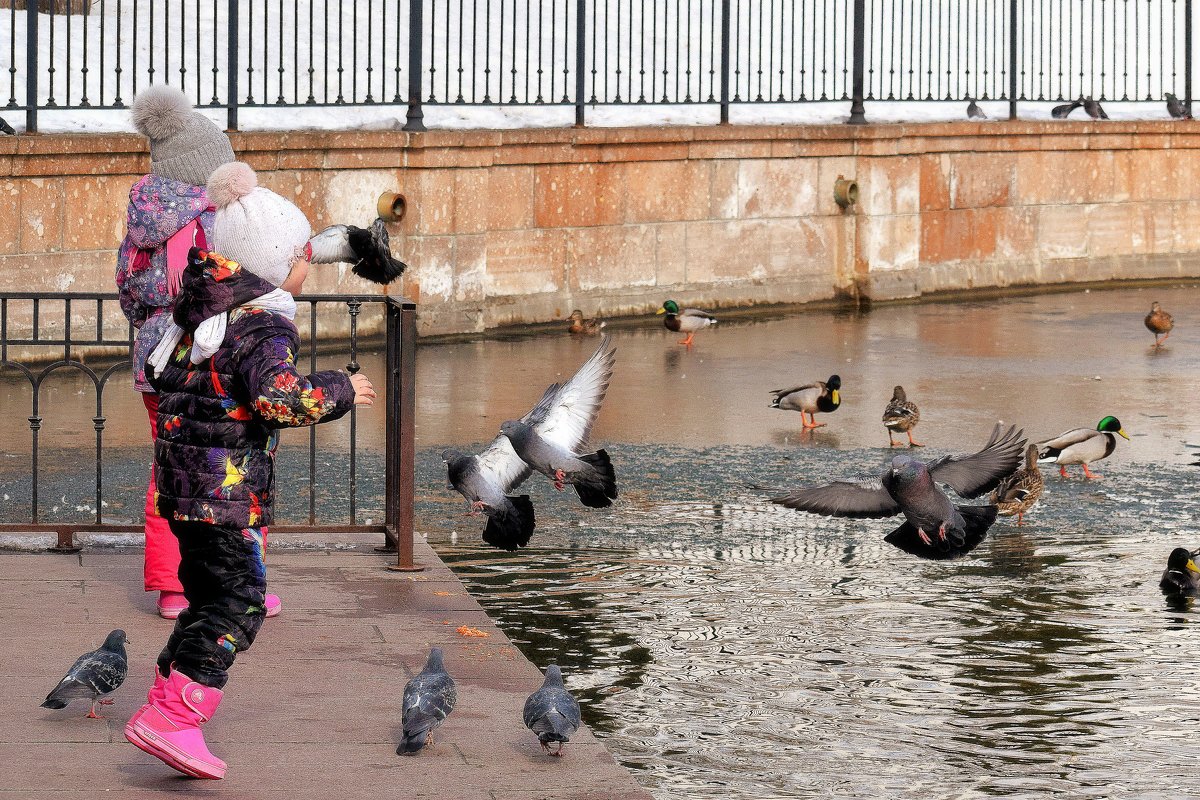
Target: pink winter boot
x=157, y=690
x=170, y=728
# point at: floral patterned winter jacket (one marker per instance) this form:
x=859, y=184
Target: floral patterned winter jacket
x=217, y=420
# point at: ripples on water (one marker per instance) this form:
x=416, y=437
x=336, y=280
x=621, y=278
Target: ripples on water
x=734, y=649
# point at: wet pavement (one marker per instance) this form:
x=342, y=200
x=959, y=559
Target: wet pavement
x=723, y=647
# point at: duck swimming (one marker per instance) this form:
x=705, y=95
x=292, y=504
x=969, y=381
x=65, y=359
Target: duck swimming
x=823, y=396
x=584, y=327
x=1082, y=446
x=1181, y=576
x=688, y=321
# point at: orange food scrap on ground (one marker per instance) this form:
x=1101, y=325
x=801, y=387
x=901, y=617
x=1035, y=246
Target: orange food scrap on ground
x=443, y=594
x=463, y=630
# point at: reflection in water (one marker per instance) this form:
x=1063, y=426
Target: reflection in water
x=727, y=648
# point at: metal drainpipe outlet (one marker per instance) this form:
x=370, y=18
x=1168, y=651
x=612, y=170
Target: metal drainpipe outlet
x=845, y=192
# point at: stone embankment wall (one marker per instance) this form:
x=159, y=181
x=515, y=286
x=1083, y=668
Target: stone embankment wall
x=507, y=227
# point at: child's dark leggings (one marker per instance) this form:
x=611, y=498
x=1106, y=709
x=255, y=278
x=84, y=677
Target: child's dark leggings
x=225, y=582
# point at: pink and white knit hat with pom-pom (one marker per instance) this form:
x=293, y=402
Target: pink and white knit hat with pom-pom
x=254, y=226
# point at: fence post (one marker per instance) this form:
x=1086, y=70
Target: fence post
x=31, y=65
x=580, y=59
x=1187, y=56
x=724, y=62
x=231, y=101
x=858, y=115
x=416, y=117
x=399, y=445
x=1013, y=31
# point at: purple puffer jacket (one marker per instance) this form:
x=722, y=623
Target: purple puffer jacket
x=158, y=209
x=217, y=420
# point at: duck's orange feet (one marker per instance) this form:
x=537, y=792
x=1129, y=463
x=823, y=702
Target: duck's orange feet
x=1088, y=473
x=688, y=340
x=912, y=442
x=1063, y=471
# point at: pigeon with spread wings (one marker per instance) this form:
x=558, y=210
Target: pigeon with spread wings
x=367, y=250
x=550, y=437
x=934, y=526
x=561, y=422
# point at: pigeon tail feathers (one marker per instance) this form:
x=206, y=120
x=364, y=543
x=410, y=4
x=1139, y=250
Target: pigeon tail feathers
x=977, y=520
x=54, y=702
x=597, y=487
x=511, y=529
x=412, y=744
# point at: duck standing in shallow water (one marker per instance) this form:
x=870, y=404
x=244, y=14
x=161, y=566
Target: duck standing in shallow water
x=1017, y=493
x=1181, y=576
x=823, y=396
x=583, y=327
x=1082, y=446
x=901, y=415
x=688, y=321
x=1159, y=323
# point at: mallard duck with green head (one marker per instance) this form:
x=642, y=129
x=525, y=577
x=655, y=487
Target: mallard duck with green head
x=1181, y=576
x=688, y=321
x=1082, y=446
x=1018, y=493
x=583, y=327
x=901, y=414
x=823, y=396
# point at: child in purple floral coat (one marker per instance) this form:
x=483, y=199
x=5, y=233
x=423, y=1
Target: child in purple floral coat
x=227, y=381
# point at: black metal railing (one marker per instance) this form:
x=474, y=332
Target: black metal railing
x=45, y=334
x=256, y=54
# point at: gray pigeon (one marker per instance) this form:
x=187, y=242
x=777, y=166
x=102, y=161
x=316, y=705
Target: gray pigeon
x=1064, y=111
x=1094, y=109
x=93, y=676
x=369, y=251
x=551, y=712
x=549, y=437
x=485, y=481
x=428, y=699
x=974, y=111
x=1176, y=108
x=7, y=129
x=934, y=527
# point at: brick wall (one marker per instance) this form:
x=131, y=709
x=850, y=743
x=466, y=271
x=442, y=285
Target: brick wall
x=507, y=227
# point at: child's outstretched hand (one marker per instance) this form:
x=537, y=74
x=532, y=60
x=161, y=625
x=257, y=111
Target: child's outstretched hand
x=364, y=392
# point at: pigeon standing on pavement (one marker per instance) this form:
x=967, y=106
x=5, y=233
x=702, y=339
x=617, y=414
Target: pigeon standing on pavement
x=428, y=699
x=1064, y=111
x=368, y=251
x=974, y=111
x=1094, y=109
x=934, y=526
x=93, y=676
x=551, y=712
x=1176, y=108
x=548, y=439
x=7, y=129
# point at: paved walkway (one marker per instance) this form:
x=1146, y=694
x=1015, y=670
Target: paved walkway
x=312, y=711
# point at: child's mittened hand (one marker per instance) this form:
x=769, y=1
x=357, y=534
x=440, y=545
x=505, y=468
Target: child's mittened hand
x=364, y=392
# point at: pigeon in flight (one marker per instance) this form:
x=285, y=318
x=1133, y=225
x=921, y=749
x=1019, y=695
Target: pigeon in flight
x=93, y=676
x=549, y=437
x=1176, y=108
x=7, y=129
x=551, y=712
x=428, y=699
x=934, y=527
x=367, y=250
x=485, y=481
x=974, y=111
x=1064, y=111
x=1094, y=109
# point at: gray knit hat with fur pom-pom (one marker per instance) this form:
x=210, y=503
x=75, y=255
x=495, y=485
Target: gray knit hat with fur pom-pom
x=184, y=145
x=257, y=228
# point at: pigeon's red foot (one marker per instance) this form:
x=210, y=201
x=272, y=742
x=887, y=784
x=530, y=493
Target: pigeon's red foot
x=942, y=532
x=924, y=536
x=560, y=478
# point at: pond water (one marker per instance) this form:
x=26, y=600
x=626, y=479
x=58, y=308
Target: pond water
x=725, y=647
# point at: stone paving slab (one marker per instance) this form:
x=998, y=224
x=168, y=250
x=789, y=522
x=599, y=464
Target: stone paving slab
x=311, y=711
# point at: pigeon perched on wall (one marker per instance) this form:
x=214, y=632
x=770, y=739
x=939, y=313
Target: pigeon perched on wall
x=93, y=676
x=551, y=712
x=7, y=129
x=1064, y=111
x=934, y=527
x=1176, y=107
x=974, y=111
x=1094, y=109
x=548, y=439
x=428, y=699
x=368, y=251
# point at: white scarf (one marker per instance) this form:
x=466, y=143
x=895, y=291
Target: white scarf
x=211, y=332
